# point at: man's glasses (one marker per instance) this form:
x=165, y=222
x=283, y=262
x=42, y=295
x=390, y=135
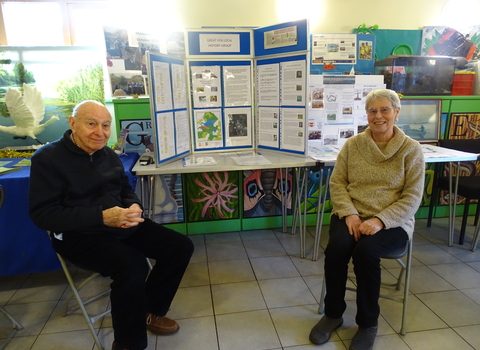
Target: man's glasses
x=383, y=110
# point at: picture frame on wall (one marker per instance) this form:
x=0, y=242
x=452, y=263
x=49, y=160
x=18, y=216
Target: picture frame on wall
x=420, y=118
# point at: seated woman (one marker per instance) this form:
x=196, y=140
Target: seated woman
x=376, y=188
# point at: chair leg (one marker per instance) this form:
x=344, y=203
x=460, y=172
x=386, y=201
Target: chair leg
x=403, y=328
x=321, y=304
x=473, y=247
x=15, y=327
x=477, y=214
x=80, y=303
x=464, y=221
x=435, y=194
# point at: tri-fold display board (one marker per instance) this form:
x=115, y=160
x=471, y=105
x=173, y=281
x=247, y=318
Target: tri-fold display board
x=237, y=89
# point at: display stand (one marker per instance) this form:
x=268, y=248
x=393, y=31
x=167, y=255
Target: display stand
x=168, y=107
x=282, y=66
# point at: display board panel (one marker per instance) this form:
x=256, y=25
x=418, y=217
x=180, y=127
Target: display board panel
x=169, y=107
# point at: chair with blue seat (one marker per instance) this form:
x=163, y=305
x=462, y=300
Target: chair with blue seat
x=403, y=277
x=15, y=325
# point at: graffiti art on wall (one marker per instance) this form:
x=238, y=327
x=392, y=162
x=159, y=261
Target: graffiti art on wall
x=212, y=196
x=263, y=191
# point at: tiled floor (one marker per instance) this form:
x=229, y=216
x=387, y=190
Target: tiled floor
x=251, y=291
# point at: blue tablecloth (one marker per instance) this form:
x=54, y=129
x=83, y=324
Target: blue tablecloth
x=24, y=248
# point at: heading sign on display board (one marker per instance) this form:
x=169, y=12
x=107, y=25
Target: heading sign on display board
x=219, y=43
x=219, y=72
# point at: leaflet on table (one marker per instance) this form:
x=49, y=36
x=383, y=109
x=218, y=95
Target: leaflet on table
x=238, y=126
x=206, y=86
x=24, y=162
x=4, y=170
x=198, y=161
x=268, y=126
x=165, y=139
x=161, y=87
x=430, y=151
x=324, y=153
x=182, y=125
x=334, y=48
x=208, y=128
x=179, y=87
x=237, y=86
x=293, y=129
x=256, y=159
x=268, y=81
x=293, y=83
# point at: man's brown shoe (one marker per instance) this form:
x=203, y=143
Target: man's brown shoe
x=161, y=325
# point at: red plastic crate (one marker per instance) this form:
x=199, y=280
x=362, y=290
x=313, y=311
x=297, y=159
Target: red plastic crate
x=463, y=83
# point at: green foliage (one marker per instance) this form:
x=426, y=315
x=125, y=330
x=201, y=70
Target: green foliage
x=16, y=78
x=86, y=84
x=4, y=110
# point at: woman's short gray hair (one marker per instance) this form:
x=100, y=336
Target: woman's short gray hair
x=390, y=95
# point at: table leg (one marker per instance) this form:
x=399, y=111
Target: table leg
x=151, y=208
x=321, y=201
x=452, y=201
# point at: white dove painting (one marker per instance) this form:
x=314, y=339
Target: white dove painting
x=26, y=111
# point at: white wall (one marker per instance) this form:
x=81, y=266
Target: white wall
x=326, y=16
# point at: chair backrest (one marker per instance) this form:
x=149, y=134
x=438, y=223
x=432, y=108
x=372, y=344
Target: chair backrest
x=465, y=145
x=2, y=196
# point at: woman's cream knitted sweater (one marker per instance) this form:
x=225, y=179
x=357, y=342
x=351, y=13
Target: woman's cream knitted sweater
x=385, y=184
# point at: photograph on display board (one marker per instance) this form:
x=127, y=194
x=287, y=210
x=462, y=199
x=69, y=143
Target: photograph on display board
x=127, y=84
x=212, y=196
x=133, y=58
x=238, y=127
x=115, y=39
x=262, y=192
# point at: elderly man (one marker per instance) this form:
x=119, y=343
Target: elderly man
x=79, y=191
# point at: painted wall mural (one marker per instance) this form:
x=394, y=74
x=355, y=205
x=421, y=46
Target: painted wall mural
x=262, y=190
x=212, y=196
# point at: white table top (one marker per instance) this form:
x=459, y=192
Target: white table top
x=432, y=154
x=225, y=162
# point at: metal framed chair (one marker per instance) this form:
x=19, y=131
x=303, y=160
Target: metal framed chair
x=15, y=325
x=403, y=276
x=468, y=183
x=81, y=303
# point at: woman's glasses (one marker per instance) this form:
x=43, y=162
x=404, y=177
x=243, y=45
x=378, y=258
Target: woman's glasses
x=383, y=110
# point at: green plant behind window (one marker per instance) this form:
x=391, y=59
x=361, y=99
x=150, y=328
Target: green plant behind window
x=86, y=84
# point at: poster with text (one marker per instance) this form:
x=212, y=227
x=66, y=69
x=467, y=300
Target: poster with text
x=206, y=86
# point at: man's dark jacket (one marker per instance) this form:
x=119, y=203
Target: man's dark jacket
x=70, y=188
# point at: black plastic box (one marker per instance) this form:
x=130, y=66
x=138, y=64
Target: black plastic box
x=418, y=75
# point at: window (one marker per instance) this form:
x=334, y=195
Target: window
x=33, y=23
